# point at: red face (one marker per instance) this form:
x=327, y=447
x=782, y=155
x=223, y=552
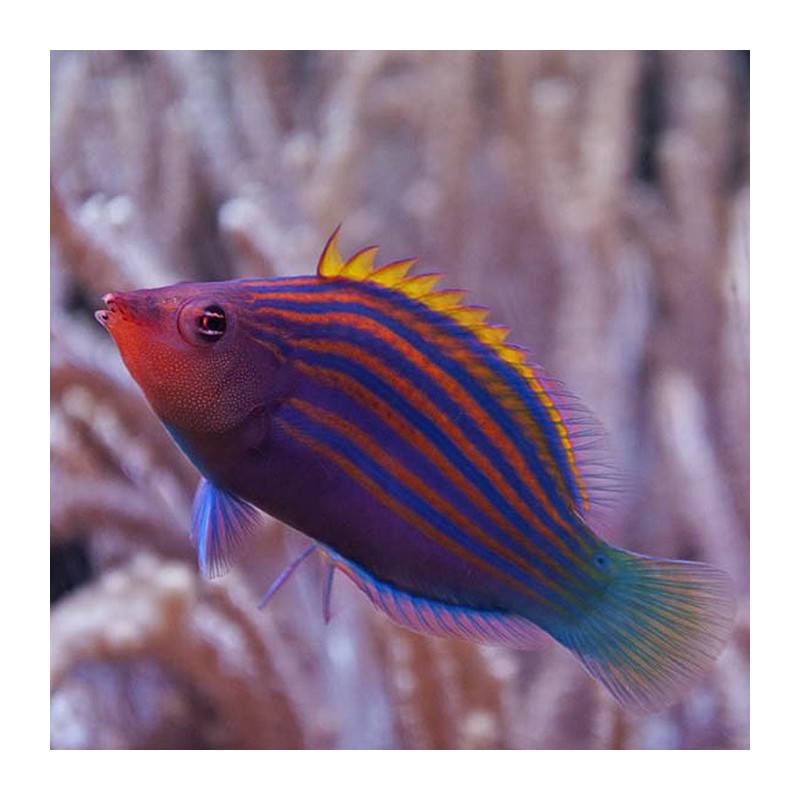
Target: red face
x=186, y=348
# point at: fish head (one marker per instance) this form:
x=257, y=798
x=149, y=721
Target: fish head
x=188, y=348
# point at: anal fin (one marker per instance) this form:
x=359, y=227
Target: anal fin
x=435, y=618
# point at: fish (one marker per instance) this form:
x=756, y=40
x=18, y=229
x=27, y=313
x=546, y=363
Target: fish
x=438, y=467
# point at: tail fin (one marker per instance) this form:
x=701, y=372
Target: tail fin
x=659, y=626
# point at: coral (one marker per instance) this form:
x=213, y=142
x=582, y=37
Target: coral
x=596, y=201
x=150, y=651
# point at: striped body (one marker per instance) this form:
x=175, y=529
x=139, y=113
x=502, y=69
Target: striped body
x=421, y=475
x=450, y=479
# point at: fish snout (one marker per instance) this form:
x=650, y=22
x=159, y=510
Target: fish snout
x=114, y=308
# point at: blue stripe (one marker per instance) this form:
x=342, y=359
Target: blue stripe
x=533, y=405
x=407, y=497
x=451, y=452
x=343, y=332
x=372, y=425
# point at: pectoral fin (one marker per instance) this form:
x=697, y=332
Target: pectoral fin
x=220, y=520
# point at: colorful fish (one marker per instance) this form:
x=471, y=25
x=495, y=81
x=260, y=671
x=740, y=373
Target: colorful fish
x=432, y=463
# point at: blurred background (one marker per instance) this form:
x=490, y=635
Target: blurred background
x=598, y=202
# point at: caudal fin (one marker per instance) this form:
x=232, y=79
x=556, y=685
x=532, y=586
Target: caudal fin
x=656, y=630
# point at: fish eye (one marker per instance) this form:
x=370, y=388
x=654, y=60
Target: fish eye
x=601, y=560
x=211, y=323
x=201, y=322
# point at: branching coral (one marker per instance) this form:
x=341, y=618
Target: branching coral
x=191, y=664
x=597, y=202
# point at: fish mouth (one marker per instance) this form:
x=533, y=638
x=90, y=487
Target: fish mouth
x=105, y=315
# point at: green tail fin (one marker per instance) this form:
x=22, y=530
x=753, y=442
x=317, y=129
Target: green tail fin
x=656, y=629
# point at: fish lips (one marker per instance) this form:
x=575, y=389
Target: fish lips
x=117, y=309
x=104, y=315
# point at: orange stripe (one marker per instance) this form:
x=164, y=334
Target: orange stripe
x=512, y=403
x=411, y=434
x=350, y=293
x=379, y=456
x=453, y=388
x=419, y=522
x=481, y=371
x=350, y=289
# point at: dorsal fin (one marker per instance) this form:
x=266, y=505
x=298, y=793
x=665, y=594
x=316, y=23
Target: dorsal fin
x=594, y=481
x=361, y=265
x=330, y=262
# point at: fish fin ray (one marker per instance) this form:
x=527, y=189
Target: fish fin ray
x=597, y=482
x=286, y=574
x=657, y=629
x=327, y=591
x=436, y=618
x=220, y=521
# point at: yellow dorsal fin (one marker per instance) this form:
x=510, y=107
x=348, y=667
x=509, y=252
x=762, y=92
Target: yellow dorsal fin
x=418, y=286
x=445, y=299
x=330, y=262
x=514, y=355
x=361, y=265
x=471, y=316
x=393, y=273
x=493, y=334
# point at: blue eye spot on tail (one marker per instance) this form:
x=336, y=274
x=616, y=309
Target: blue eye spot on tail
x=601, y=561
